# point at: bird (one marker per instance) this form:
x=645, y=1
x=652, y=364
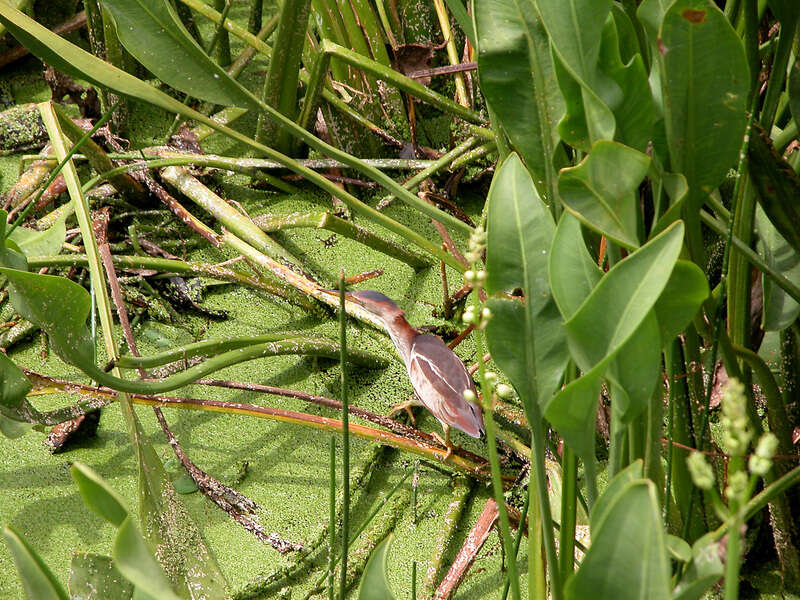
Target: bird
x=438, y=376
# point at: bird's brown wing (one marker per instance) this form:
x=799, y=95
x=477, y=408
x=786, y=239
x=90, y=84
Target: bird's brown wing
x=440, y=380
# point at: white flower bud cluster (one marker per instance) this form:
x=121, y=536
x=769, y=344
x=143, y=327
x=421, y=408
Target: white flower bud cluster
x=736, y=434
x=473, y=278
x=701, y=472
x=737, y=487
x=761, y=462
x=471, y=317
x=477, y=243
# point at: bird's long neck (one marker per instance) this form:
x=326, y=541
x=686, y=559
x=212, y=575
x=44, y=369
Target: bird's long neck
x=402, y=335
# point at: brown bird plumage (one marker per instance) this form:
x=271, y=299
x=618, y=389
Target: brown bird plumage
x=438, y=376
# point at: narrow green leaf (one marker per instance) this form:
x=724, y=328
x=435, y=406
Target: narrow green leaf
x=94, y=576
x=374, y=584
x=38, y=581
x=705, y=81
x=100, y=497
x=516, y=76
x=628, y=557
x=134, y=559
x=602, y=190
x=520, y=232
x=154, y=34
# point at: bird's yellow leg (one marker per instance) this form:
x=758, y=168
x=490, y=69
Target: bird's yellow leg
x=406, y=406
x=446, y=441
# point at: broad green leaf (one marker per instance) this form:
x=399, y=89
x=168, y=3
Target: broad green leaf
x=60, y=307
x=185, y=484
x=374, y=584
x=682, y=297
x=777, y=184
x=42, y=243
x=516, y=76
x=14, y=385
x=520, y=232
x=601, y=327
x=573, y=412
x=38, y=581
x=633, y=105
x=602, y=190
x=679, y=548
x=780, y=309
x=98, y=495
x=505, y=335
x=573, y=273
x=13, y=429
x=10, y=253
x=94, y=576
x=705, y=569
x=622, y=299
x=634, y=372
x=614, y=490
x=575, y=28
x=151, y=31
x=786, y=11
x=134, y=559
x=705, y=81
x=628, y=556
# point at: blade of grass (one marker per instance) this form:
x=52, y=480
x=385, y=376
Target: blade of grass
x=345, y=438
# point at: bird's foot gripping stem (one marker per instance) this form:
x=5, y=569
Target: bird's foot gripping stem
x=406, y=406
x=445, y=442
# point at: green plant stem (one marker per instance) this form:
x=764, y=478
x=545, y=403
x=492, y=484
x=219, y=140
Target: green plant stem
x=331, y=517
x=214, y=347
x=569, y=509
x=62, y=163
x=441, y=163
x=753, y=258
x=327, y=94
x=494, y=462
x=732, y=557
x=178, y=267
x=228, y=216
x=351, y=161
x=221, y=42
x=256, y=14
x=523, y=515
x=452, y=53
x=345, y=439
x=400, y=81
x=280, y=84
